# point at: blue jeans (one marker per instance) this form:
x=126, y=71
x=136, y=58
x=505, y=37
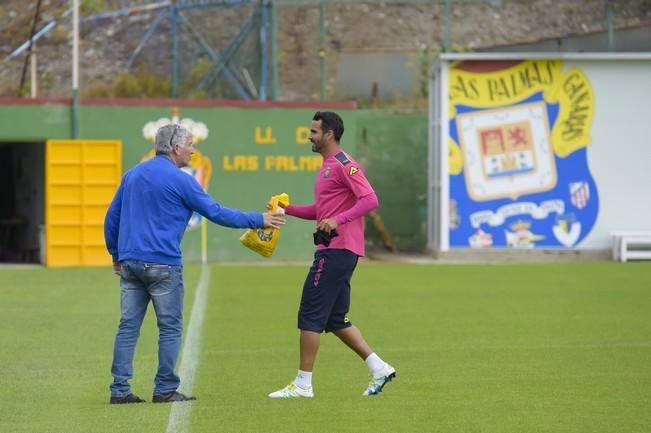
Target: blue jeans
x=139, y=283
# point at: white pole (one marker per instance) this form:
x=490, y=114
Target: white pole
x=75, y=45
x=32, y=69
x=444, y=156
x=75, y=70
x=433, y=137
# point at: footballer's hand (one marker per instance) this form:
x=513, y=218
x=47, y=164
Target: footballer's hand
x=328, y=224
x=116, y=268
x=274, y=220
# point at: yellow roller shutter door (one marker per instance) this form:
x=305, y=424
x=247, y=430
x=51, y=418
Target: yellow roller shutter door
x=81, y=177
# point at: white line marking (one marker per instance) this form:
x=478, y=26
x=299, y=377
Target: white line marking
x=180, y=412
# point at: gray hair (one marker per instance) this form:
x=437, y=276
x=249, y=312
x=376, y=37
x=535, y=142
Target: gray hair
x=169, y=136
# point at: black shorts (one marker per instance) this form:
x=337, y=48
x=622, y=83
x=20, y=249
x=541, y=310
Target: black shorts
x=326, y=292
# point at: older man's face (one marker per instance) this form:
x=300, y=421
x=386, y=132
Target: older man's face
x=185, y=152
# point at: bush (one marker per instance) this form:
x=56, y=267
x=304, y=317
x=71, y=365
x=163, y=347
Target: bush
x=143, y=83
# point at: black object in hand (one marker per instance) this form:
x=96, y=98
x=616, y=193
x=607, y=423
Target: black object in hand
x=322, y=237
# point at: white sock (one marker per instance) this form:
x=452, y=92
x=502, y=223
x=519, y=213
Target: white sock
x=303, y=379
x=374, y=363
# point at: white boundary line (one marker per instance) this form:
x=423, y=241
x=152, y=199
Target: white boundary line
x=180, y=412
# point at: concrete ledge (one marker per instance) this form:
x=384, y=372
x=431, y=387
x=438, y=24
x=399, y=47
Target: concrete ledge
x=526, y=256
x=494, y=256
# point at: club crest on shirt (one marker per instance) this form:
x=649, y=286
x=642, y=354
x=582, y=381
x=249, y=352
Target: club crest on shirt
x=353, y=170
x=326, y=172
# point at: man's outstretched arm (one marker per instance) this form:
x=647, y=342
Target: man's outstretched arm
x=199, y=201
x=306, y=212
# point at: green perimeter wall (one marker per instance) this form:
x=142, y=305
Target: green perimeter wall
x=231, y=133
x=392, y=146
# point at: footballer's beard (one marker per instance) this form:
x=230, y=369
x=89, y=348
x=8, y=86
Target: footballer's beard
x=316, y=146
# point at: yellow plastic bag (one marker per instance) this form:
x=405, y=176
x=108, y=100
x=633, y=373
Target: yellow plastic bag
x=263, y=241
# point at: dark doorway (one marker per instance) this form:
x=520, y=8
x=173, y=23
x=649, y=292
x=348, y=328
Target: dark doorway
x=22, y=202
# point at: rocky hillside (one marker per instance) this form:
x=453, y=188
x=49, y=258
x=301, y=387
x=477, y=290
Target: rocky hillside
x=351, y=26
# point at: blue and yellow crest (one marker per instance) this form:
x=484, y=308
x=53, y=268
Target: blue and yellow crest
x=519, y=135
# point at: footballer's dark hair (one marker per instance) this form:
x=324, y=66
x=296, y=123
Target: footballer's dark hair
x=330, y=121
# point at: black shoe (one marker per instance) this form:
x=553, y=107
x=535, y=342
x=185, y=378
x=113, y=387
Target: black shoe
x=130, y=398
x=171, y=397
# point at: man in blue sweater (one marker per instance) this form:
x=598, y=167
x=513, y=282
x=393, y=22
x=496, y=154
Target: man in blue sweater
x=143, y=229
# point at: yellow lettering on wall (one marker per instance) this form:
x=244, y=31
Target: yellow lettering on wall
x=506, y=86
x=269, y=161
x=279, y=163
x=267, y=138
x=240, y=163
x=302, y=135
x=571, y=90
x=576, y=107
x=310, y=163
x=289, y=164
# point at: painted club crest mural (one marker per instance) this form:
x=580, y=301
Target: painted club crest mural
x=200, y=166
x=519, y=137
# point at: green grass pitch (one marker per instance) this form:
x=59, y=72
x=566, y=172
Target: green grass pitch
x=558, y=348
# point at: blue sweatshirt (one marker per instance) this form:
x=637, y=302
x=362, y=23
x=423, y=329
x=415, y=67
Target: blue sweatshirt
x=151, y=209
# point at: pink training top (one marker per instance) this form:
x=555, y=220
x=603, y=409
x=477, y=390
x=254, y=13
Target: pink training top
x=343, y=192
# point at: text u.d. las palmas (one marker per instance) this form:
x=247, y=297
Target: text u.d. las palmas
x=265, y=135
x=279, y=163
x=282, y=163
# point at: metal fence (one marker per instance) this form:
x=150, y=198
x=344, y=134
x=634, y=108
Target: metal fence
x=319, y=49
